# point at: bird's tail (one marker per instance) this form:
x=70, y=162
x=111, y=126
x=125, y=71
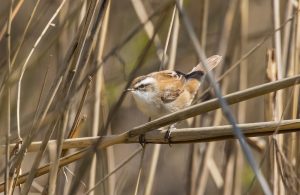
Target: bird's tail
x=212, y=62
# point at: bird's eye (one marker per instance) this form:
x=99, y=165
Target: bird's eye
x=142, y=86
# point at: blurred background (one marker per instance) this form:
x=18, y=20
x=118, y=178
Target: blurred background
x=50, y=49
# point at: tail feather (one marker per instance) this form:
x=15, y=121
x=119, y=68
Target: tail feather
x=212, y=62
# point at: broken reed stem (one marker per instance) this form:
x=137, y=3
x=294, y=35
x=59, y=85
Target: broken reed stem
x=188, y=135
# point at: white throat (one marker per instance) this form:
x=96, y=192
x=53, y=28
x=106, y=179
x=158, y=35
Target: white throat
x=147, y=100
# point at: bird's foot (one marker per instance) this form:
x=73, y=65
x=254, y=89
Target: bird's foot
x=142, y=140
x=168, y=134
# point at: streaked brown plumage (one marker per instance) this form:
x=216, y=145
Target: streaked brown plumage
x=167, y=91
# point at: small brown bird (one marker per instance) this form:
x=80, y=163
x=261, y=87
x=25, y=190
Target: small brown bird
x=167, y=91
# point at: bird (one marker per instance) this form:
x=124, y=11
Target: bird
x=163, y=92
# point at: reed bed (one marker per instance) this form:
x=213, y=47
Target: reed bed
x=68, y=126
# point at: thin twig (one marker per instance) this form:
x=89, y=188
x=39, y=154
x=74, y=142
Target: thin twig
x=42, y=149
x=14, y=13
x=137, y=185
x=27, y=61
x=165, y=57
x=20, y=43
x=122, y=164
x=55, y=166
x=252, y=50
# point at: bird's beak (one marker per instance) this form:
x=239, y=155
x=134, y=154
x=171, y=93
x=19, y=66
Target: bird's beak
x=130, y=89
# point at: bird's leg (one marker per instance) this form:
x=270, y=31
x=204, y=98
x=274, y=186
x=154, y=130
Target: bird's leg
x=142, y=137
x=168, y=133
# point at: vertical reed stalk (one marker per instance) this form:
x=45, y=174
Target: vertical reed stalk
x=278, y=187
x=99, y=86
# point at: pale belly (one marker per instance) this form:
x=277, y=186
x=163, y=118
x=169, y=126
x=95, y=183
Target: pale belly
x=154, y=108
x=151, y=107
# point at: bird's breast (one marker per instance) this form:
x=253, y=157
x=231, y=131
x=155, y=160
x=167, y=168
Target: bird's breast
x=149, y=104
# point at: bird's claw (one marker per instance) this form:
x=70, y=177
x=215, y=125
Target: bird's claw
x=168, y=137
x=142, y=140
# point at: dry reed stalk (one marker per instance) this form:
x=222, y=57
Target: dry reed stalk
x=213, y=104
x=118, y=167
x=287, y=38
x=39, y=155
x=30, y=135
x=116, y=106
x=153, y=166
x=73, y=133
x=207, y=106
x=137, y=185
x=164, y=61
x=295, y=111
x=242, y=107
x=209, y=133
x=227, y=27
x=196, y=160
x=277, y=183
x=229, y=169
x=204, y=170
x=165, y=56
x=99, y=88
x=81, y=45
x=271, y=75
x=27, y=61
x=46, y=168
x=202, y=108
x=83, y=72
x=215, y=173
x=54, y=168
x=16, y=9
x=53, y=183
x=35, y=115
x=204, y=23
x=229, y=166
x=8, y=178
x=198, y=165
x=143, y=16
x=86, y=44
x=149, y=29
x=120, y=45
x=287, y=58
x=253, y=49
x=203, y=134
x=174, y=41
x=20, y=43
x=226, y=47
x=224, y=104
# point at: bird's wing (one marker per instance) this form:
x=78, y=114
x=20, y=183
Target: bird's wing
x=169, y=95
x=171, y=84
